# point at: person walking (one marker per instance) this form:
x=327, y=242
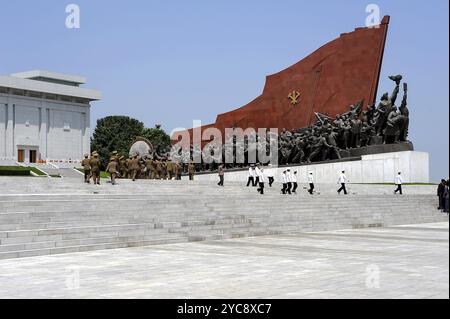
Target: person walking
x=257, y=173
x=149, y=166
x=191, y=170
x=135, y=167
x=176, y=168
x=446, y=197
x=122, y=167
x=180, y=170
x=158, y=169
x=87, y=169
x=251, y=176
x=398, y=183
x=440, y=194
x=221, y=175
x=128, y=165
x=311, y=183
x=284, y=181
x=164, y=169
x=170, y=169
x=289, y=181
x=270, y=175
x=113, y=169
x=294, y=182
x=261, y=179
x=343, y=181
x=95, y=168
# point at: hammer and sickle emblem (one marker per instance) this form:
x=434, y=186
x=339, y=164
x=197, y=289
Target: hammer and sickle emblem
x=294, y=97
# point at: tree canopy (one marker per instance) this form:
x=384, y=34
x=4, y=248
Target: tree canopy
x=157, y=136
x=117, y=133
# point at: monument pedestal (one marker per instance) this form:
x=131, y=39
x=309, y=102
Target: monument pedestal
x=381, y=148
x=369, y=169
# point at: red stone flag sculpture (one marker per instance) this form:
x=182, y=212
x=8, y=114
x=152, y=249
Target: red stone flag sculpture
x=339, y=74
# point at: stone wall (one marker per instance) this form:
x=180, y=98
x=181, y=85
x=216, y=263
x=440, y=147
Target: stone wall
x=379, y=168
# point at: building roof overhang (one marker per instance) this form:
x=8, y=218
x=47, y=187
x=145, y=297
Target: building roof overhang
x=19, y=83
x=41, y=74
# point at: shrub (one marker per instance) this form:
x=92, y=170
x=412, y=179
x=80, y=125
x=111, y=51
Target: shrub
x=14, y=171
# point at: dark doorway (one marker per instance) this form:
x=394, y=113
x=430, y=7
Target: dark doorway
x=33, y=156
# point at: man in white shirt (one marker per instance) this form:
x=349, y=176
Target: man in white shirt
x=399, y=183
x=270, y=175
x=311, y=183
x=257, y=173
x=289, y=181
x=294, y=182
x=284, y=181
x=261, y=179
x=251, y=176
x=343, y=181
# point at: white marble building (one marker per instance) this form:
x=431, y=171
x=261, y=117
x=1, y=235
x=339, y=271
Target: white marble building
x=44, y=116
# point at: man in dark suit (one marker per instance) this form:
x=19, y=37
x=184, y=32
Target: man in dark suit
x=221, y=175
x=440, y=194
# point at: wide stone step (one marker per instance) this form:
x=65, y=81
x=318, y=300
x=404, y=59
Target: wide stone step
x=203, y=190
x=23, y=236
x=87, y=241
x=47, y=218
x=210, y=201
x=86, y=248
x=42, y=217
x=151, y=208
x=36, y=234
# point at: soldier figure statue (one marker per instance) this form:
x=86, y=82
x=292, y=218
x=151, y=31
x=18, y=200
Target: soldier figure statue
x=326, y=139
x=404, y=111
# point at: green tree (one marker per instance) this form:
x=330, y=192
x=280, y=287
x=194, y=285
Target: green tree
x=115, y=133
x=157, y=136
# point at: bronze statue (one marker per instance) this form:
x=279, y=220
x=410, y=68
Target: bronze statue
x=326, y=139
x=404, y=111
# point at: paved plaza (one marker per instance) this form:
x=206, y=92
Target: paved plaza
x=397, y=262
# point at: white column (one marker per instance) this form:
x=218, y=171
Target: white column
x=10, y=147
x=2, y=129
x=43, y=131
x=87, y=131
x=48, y=143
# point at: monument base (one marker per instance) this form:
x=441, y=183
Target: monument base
x=381, y=148
x=370, y=169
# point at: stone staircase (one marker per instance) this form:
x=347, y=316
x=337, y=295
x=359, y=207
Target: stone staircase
x=52, y=170
x=44, y=217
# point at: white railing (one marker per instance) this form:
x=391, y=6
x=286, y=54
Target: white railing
x=55, y=163
x=62, y=163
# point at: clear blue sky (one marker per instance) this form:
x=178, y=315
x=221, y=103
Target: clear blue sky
x=170, y=62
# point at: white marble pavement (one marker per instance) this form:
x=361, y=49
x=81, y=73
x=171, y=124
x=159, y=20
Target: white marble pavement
x=395, y=262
